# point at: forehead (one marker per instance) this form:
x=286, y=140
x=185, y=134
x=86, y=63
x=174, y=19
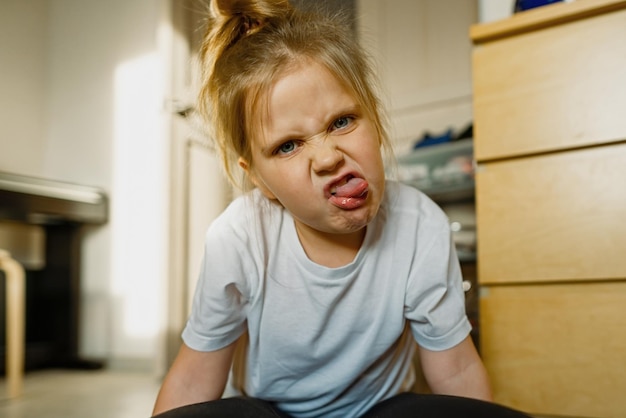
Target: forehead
x=306, y=100
x=292, y=85
x=304, y=79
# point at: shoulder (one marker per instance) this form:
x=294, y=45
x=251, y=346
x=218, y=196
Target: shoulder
x=237, y=242
x=245, y=214
x=410, y=219
x=406, y=202
x=249, y=219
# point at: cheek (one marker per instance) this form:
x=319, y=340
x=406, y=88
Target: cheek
x=278, y=179
x=369, y=148
x=290, y=181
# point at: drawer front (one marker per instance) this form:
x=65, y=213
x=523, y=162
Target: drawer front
x=556, y=88
x=557, y=350
x=555, y=217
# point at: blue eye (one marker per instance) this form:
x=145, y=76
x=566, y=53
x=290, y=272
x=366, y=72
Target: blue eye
x=342, y=122
x=286, y=147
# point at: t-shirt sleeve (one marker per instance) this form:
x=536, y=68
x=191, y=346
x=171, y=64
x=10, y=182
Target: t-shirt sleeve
x=435, y=301
x=218, y=312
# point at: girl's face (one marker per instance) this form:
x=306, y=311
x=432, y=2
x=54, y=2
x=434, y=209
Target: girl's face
x=318, y=154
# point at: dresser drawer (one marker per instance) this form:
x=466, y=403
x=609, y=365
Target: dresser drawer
x=557, y=350
x=556, y=88
x=555, y=217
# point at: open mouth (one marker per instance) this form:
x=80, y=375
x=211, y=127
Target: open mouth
x=340, y=184
x=349, y=187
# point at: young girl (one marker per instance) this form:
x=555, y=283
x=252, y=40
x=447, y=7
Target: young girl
x=325, y=274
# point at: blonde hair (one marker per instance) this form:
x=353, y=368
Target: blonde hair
x=249, y=45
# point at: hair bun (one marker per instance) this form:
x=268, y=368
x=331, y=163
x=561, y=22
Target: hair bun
x=245, y=17
x=258, y=10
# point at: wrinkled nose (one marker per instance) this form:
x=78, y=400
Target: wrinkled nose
x=326, y=156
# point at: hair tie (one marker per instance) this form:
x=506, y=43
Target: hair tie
x=249, y=25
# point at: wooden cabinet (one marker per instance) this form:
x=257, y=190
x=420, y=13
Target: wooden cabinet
x=550, y=143
x=553, y=217
x=552, y=89
x=557, y=349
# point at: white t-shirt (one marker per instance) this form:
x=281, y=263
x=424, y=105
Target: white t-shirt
x=329, y=342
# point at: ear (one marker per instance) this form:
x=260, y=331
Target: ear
x=254, y=179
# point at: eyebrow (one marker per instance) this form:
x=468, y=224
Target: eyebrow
x=353, y=109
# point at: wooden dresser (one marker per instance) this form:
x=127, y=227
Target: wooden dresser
x=550, y=143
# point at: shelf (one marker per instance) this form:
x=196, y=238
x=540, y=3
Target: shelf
x=444, y=172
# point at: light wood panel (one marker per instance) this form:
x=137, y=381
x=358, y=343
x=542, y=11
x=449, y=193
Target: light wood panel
x=556, y=88
x=557, y=217
x=557, y=349
x=15, y=282
x=550, y=139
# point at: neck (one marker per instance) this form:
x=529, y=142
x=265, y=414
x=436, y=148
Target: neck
x=327, y=249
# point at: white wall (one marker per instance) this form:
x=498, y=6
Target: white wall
x=86, y=83
x=491, y=10
x=104, y=101
x=422, y=51
x=22, y=83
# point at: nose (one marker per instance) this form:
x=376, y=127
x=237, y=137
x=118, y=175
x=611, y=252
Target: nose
x=326, y=156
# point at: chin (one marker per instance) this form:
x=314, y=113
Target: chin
x=356, y=221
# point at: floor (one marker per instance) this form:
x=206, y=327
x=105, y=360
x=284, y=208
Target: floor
x=73, y=394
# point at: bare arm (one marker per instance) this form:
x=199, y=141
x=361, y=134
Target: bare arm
x=194, y=377
x=457, y=371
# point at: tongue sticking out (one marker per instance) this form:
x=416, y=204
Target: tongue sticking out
x=354, y=187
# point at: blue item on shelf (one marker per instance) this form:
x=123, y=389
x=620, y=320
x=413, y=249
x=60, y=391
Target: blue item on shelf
x=428, y=139
x=521, y=5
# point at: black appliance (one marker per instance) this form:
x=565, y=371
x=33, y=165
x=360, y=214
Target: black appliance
x=52, y=292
